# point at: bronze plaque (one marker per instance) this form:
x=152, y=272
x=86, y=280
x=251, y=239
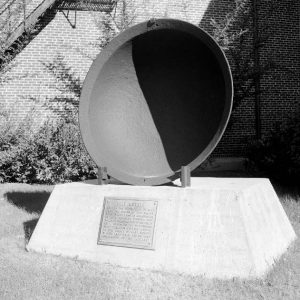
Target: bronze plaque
x=128, y=223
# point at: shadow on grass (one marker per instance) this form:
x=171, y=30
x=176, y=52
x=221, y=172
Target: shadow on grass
x=29, y=227
x=32, y=202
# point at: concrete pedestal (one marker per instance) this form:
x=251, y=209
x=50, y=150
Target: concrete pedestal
x=218, y=227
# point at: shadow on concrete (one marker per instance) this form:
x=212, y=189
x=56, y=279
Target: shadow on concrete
x=32, y=202
x=29, y=227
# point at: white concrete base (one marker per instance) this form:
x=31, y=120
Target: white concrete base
x=218, y=227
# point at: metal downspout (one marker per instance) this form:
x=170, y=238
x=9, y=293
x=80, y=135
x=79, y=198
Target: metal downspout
x=256, y=61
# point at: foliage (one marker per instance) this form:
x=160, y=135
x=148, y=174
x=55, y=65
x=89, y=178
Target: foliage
x=67, y=82
x=11, y=16
x=278, y=155
x=228, y=30
x=69, y=86
x=236, y=34
x=53, y=154
x=111, y=24
x=66, y=79
x=10, y=133
x=233, y=34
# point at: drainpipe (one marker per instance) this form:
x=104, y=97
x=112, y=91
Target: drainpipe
x=24, y=14
x=256, y=61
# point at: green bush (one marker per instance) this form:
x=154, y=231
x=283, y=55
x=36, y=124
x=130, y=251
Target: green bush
x=53, y=154
x=278, y=155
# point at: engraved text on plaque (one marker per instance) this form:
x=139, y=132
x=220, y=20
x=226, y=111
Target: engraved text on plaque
x=128, y=223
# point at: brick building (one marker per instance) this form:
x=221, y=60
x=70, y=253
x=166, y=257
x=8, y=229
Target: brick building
x=72, y=36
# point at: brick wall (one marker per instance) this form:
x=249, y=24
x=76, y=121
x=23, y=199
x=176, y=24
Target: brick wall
x=281, y=88
x=73, y=38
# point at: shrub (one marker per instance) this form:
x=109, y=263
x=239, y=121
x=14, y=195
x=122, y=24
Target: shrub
x=54, y=154
x=11, y=134
x=278, y=155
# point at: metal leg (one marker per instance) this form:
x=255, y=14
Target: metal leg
x=102, y=175
x=185, y=176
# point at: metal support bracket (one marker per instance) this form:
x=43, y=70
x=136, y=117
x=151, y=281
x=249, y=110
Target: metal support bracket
x=185, y=176
x=102, y=175
x=66, y=15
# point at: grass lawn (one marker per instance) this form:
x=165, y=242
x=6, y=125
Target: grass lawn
x=25, y=275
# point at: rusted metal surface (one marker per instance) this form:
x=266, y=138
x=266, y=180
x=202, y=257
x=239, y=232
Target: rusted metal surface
x=157, y=98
